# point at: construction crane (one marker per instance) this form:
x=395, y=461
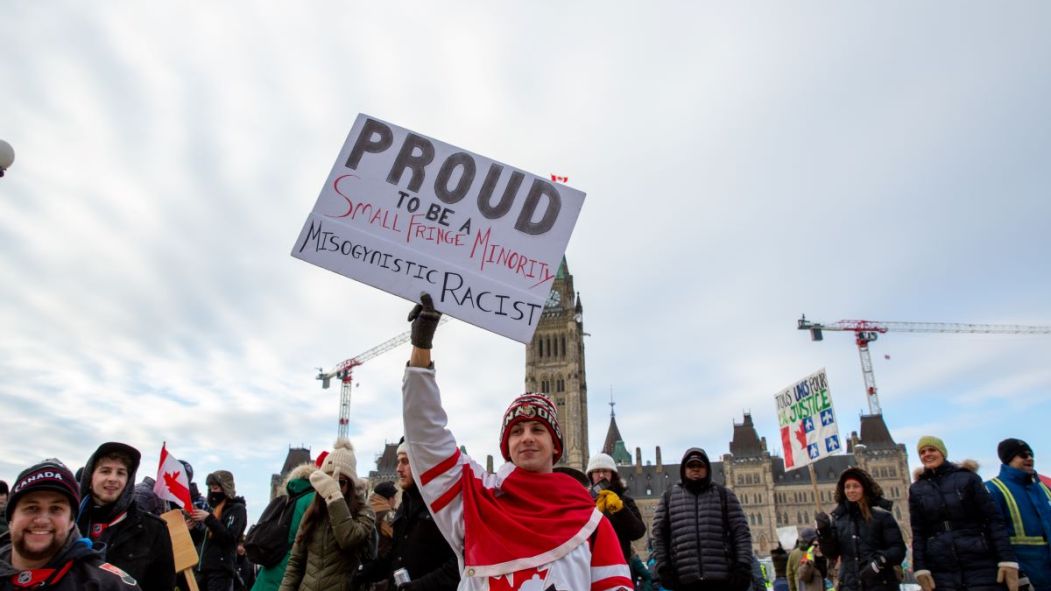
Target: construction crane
x=866, y=331
x=343, y=372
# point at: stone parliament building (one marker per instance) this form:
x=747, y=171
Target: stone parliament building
x=770, y=496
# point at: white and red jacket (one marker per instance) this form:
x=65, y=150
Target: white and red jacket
x=513, y=530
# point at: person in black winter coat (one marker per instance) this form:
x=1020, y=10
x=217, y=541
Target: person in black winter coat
x=225, y=524
x=135, y=540
x=863, y=534
x=417, y=544
x=612, y=500
x=701, y=538
x=959, y=538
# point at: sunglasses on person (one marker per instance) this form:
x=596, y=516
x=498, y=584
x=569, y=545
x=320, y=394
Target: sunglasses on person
x=344, y=482
x=1025, y=455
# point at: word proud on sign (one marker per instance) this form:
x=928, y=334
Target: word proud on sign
x=407, y=213
x=807, y=422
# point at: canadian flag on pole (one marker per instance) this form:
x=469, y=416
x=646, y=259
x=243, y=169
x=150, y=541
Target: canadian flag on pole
x=172, y=483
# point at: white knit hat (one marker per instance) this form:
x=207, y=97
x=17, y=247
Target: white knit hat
x=341, y=461
x=601, y=461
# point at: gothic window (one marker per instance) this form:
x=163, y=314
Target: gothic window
x=751, y=519
x=799, y=517
x=547, y=345
x=778, y=516
x=759, y=518
x=893, y=473
x=539, y=347
x=563, y=345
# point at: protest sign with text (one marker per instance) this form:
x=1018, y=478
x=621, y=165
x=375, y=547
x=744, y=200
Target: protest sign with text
x=808, y=425
x=407, y=213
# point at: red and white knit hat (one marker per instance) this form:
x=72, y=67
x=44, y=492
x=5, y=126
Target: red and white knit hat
x=531, y=406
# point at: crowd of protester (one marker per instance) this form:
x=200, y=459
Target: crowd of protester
x=446, y=523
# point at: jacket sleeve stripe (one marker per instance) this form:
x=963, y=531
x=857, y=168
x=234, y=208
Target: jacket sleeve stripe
x=440, y=468
x=446, y=498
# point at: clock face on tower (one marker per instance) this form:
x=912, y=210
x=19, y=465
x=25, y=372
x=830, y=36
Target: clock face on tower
x=553, y=299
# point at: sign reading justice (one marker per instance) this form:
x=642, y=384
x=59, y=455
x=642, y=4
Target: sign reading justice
x=407, y=213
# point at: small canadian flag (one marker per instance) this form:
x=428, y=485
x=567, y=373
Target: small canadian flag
x=172, y=483
x=559, y=179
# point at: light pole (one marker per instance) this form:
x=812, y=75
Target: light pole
x=7, y=156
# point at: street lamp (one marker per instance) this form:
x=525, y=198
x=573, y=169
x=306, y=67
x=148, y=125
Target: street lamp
x=7, y=156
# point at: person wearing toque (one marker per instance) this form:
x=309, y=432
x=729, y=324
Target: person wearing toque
x=526, y=526
x=45, y=549
x=1025, y=503
x=959, y=538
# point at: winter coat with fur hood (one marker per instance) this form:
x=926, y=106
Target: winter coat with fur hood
x=690, y=545
x=132, y=539
x=296, y=483
x=957, y=533
x=860, y=543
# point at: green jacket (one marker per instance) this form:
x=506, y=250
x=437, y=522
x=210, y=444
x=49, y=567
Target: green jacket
x=269, y=577
x=328, y=560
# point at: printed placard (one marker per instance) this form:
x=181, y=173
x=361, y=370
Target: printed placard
x=407, y=213
x=809, y=430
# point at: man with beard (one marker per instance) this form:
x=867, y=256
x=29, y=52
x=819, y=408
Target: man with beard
x=225, y=524
x=43, y=548
x=135, y=540
x=417, y=544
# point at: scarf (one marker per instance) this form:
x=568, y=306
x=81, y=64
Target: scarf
x=532, y=520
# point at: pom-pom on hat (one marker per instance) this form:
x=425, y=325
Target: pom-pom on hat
x=49, y=474
x=531, y=406
x=932, y=441
x=341, y=460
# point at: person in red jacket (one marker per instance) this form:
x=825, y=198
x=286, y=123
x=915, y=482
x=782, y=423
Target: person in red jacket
x=525, y=527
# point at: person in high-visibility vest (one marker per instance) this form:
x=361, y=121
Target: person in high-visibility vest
x=1025, y=503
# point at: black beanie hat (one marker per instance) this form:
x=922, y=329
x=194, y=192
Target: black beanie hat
x=386, y=490
x=1011, y=447
x=49, y=474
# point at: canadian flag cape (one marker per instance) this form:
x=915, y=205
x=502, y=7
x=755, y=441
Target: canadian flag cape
x=172, y=483
x=535, y=519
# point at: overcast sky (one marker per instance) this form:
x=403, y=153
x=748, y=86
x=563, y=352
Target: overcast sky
x=743, y=164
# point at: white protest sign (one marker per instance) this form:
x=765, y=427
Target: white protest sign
x=787, y=536
x=808, y=425
x=407, y=213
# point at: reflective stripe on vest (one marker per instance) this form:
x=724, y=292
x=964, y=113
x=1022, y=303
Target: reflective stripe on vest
x=1019, y=539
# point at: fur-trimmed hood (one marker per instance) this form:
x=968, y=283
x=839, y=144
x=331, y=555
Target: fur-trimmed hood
x=300, y=472
x=921, y=472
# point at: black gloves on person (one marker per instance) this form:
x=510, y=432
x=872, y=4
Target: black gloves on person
x=824, y=522
x=424, y=319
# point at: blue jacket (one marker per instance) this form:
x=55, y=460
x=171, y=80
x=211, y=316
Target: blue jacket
x=1027, y=512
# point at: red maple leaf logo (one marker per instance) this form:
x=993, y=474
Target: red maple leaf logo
x=171, y=480
x=800, y=434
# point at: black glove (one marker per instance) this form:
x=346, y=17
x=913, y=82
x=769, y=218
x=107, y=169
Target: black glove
x=668, y=578
x=741, y=577
x=424, y=319
x=824, y=522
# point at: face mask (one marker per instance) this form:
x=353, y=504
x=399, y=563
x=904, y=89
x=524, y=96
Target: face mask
x=214, y=498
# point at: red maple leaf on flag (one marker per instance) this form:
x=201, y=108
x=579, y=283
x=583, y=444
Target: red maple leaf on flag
x=800, y=434
x=171, y=480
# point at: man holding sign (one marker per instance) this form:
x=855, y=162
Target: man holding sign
x=524, y=527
